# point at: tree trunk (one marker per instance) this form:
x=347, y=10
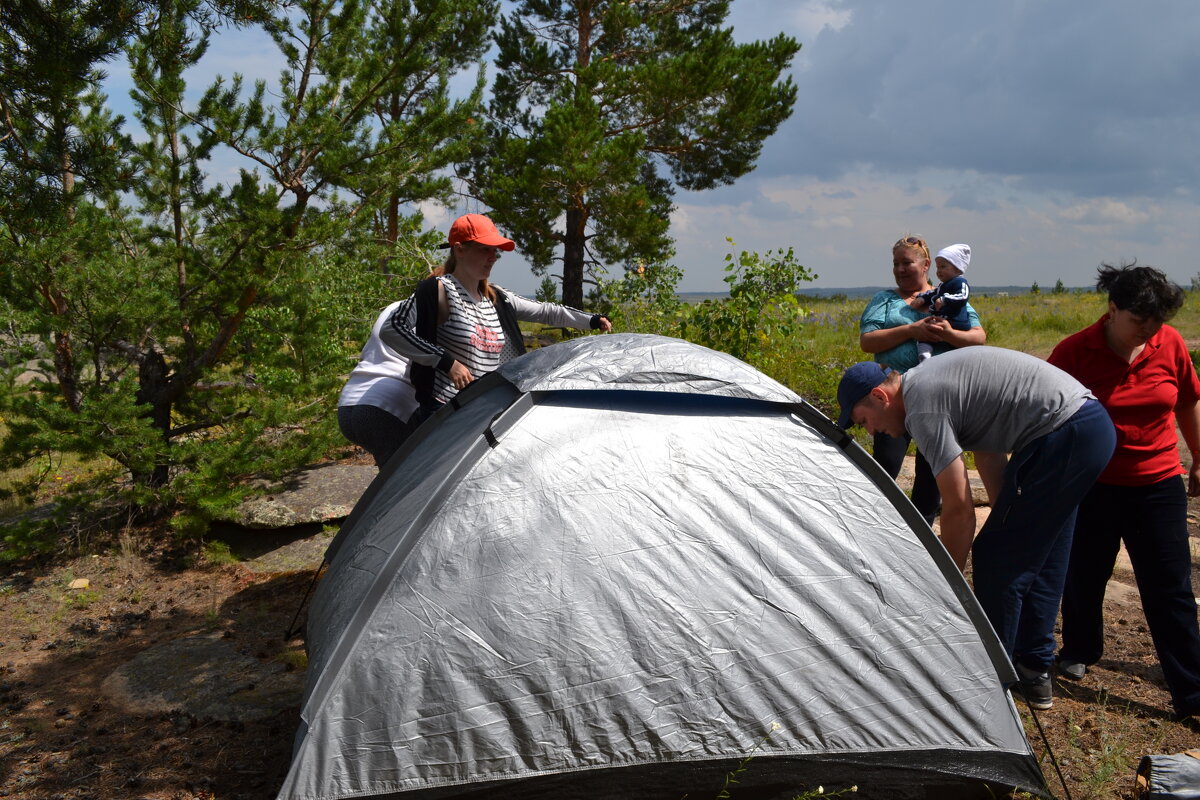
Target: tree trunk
x=152, y=391
x=391, y=232
x=64, y=369
x=64, y=352
x=573, y=257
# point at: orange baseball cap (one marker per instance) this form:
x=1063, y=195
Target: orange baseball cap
x=477, y=228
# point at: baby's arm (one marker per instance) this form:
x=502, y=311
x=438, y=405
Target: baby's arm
x=955, y=290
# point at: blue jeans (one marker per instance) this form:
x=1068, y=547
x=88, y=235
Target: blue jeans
x=1020, y=556
x=1152, y=520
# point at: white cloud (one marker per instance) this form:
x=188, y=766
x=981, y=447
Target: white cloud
x=1104, y=211
x=843, y=230
x=811, y=18
x=1050, y=139
x=834, y=222
x=805, y=20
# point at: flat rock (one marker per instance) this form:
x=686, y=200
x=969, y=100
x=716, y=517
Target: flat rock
x=316, y=495
x=203, y=677
x=266, y=552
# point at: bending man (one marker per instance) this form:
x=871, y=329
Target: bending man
x=995, y=402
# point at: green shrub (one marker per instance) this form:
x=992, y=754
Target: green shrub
x=643, y=300
x=761, y=312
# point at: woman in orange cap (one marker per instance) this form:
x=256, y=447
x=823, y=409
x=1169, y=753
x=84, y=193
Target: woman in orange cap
x=456, y=327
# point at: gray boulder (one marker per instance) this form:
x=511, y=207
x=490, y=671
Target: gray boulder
x=315, y=495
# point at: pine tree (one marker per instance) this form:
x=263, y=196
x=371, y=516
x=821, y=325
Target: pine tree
x=601, y=108
x=195, y=322
x=417, y=128
x=59, y=146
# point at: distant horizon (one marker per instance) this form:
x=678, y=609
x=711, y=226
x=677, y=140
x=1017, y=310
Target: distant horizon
x=853, y=291
x=867, y=291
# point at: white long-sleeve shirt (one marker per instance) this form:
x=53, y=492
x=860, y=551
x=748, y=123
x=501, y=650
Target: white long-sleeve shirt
x=381, y=377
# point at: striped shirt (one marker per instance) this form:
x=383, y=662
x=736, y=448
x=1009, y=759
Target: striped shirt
x=472, y=334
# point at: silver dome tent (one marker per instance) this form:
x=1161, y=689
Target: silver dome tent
x=620, y=566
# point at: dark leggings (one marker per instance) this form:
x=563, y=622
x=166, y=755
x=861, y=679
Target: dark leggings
x=374, y=430
x=889, y=453
x=1152, y=521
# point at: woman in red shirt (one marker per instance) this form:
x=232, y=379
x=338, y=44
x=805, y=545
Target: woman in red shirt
x=1141, y=371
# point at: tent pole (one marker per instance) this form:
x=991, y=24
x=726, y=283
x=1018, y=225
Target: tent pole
x=1050, y=752
x=291, y=628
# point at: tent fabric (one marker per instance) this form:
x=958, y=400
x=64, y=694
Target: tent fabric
x=620, y=567
x=643, y=363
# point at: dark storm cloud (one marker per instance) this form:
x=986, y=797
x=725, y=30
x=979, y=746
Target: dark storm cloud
x=1086, y=99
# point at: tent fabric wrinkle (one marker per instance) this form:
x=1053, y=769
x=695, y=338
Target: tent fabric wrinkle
x=666, y=564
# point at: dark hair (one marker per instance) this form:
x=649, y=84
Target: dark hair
x=1143, y=291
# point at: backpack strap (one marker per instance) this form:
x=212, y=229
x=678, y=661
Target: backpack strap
x=426, y=299
x=508, y=321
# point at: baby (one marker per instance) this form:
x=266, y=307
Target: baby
x=949, y=299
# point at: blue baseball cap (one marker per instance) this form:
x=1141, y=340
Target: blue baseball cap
x=857, y=382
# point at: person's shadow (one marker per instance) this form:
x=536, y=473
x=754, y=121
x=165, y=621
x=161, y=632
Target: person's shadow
x=1104, y=697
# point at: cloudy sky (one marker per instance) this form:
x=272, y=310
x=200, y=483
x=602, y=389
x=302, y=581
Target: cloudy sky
x=1051, y=135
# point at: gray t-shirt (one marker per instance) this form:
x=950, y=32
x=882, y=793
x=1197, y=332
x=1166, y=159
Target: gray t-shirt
x=985, y=398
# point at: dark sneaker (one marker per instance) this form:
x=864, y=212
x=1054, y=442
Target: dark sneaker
x=1074, y=670
x=1035, y=687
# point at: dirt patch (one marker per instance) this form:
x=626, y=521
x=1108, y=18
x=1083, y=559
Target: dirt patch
x=69, y=731
x=1101, y=726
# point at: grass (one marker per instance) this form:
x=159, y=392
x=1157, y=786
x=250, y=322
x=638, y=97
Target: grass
x=294, y=659
x=731, y=777
x=1031, y=323
x=812, y=363
x=51, y=473
x=217, y=553
x=1100, y=755
x=81, y=600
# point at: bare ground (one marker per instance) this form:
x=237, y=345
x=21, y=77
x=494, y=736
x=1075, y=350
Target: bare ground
x=62, y=735
x=1101, y=726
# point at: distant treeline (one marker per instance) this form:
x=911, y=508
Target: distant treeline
x=868, y=291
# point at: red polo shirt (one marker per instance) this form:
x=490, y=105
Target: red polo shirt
x=1140, y=397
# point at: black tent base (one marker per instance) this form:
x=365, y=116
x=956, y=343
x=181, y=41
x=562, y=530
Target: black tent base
x=906, y=776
